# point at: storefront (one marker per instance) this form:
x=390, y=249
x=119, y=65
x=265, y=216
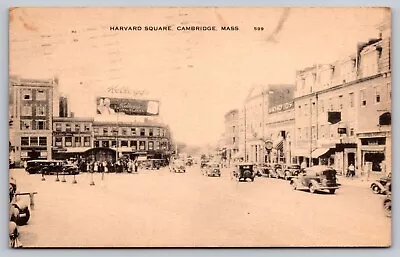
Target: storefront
x=373, y=151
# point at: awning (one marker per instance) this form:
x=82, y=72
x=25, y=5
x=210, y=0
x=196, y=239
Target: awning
x=279, y=145
x=319, y=152
x=76, y=149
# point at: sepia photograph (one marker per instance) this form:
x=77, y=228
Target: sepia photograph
x=152, y=127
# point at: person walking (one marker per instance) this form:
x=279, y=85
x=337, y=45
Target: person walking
x=352, y=170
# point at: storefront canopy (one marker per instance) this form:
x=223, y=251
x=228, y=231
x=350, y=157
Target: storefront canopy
x=319, y=152
x=76, y=149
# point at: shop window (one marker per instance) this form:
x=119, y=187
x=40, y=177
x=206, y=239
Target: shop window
x=86, y=141
x=24, y=141
x=34, y=141
x=26, y=110
x=26, y=124
x=40, y=95
x=363, y=97
x=77, y=141
x=27, y=94
x=42, y=141
x=58, y=141
x=68, y=141
x=142, y=132
x=41, y=125
x=58, y=127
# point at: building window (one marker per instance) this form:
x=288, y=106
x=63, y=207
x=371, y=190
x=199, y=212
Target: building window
x=87, y=128
x=305, y=109
x=377, y=95
x=26, y=124
x=24, y=141
x=133, y=131
x=96, y=143
x=157, y=132
x=96, y=130
x=363, y=97
x=124, y=131
x=351, y=99
x=142, y=131
x=233, y=129
x=142, y=145
x=77, y=141
x=77, y=127
x=26, y=110
x=151, y=145
x=42, y=141
x=340, y=102
x=68, y=127
x=157, y=145
x=124, y=143
x=41, y=125
x=105, y=131
x=34, y=141
x=27, y=94
x=40, y=95
x=322, y=131
x=351, y=131
x=58, y=141
x=113, y=143
x=58, y=127
x=233, y=140
x=322, y=105
x=68, y=141
x=134, y=145
x=105, y=143
x=86, y=141
x=150, y=132
x=299, y=132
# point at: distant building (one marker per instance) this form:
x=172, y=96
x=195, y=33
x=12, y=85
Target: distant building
x=63, y=107
x=231, y=135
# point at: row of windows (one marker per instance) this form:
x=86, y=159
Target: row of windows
x=33, y=141
x=323, y=132
x=40, y=110
x=77, y=127
x=27, y=94
x=28, y=125
x=135, y=145
x=72, y=141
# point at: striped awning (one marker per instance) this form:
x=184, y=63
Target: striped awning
x=278, y=144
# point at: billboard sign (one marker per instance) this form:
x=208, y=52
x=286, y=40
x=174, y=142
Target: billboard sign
x=112, y=106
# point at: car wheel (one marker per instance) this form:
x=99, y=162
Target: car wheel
x=311, y=187
x=376, y=189
x=332, y=191
x=23, y=217
x=293, y=185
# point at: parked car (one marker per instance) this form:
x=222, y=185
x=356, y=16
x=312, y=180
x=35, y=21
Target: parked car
x=212, y=170
x=381, y=186
x=316, y=178
x=387, y=204
x=275, y=171
x=178, y=166
x=291, y=171
x=244, y=171
x=70, y=169
x=36, y=166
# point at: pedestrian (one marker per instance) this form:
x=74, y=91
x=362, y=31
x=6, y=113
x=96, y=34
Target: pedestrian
x=352, y=170
x=95, y=167
x=136, y=165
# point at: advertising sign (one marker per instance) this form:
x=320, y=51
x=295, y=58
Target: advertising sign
x=112, y=106
x=281, y=107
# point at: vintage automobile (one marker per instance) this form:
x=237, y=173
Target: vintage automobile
x=316, y=178
x=212, y=170
x=244, y=171
x=275, y=171
x=381, y=186
x=152, y=164
x=264, y=169
x=387, y=205
x=36, y=166
x=19, y=208
x=178, y=166
x=291, y=171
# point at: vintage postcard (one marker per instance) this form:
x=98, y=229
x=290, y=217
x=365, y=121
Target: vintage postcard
x=200, y=127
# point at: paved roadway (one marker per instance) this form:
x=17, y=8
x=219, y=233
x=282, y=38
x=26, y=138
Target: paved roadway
x=160, y=208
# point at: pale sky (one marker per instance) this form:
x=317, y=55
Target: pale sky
x=198, y=76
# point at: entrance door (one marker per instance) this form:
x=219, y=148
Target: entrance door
x=351, y=159
x=33, y=155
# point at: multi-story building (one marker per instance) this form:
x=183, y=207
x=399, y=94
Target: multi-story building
x=254, y=121
x=331, y=103
x=106, y=140
x=30, y=109
x=231, y=134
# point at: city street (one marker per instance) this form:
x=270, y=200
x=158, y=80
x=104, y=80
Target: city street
x=160, y=208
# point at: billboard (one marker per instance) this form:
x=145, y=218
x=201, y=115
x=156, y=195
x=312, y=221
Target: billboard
x=112, y=106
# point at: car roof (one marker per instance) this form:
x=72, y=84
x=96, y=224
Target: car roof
x=318, y=169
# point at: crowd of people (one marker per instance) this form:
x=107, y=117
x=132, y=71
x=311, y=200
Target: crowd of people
x=119, y=166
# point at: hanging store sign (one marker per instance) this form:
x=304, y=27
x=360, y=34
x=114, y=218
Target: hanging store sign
x=106, y=106
x=281, y=107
